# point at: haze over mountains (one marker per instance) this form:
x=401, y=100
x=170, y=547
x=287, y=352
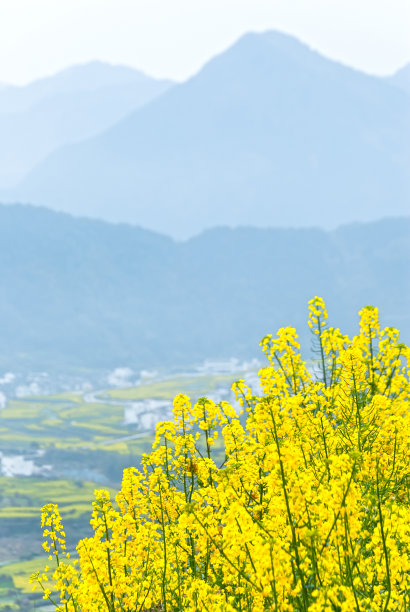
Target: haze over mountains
x=73, y=105
x=80, y=293
x=268, y=134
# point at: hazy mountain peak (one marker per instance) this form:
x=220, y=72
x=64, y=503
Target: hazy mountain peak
x=268, y=133
x=81, y=78
x=274, y=54
x=276, y=39
x=90, y=75
x=74, y=104
x=271, y=44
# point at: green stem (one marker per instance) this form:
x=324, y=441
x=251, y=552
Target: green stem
x=165, y=553
x=326, y=542
x=385, y=551
x=290, y=519
x=322, y=353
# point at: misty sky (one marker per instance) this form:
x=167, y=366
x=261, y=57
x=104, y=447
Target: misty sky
x=174, y=38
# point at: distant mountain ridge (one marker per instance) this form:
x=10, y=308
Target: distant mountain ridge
x=88, y=76
x=267, y=134
x=75, y=104
x=78, y=293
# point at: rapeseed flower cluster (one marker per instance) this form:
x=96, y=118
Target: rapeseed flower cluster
x=300, y=503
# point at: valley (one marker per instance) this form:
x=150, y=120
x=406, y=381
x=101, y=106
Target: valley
x=59, y=448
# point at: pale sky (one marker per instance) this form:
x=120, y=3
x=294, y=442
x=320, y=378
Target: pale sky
x=174, y=38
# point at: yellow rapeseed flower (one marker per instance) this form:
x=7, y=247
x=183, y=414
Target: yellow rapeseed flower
x=301, y=504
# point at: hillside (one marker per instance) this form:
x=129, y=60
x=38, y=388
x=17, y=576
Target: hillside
x=78, y=293
x=401, y=78
x=72, y=105
x=268, y=134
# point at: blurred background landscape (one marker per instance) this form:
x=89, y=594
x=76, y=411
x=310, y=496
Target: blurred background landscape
x=154, y=228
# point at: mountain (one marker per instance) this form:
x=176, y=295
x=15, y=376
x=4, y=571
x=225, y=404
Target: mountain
x=79, y=78
x=401, y=78
x=73, y=105
x=268, y=134
x=79, y=293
